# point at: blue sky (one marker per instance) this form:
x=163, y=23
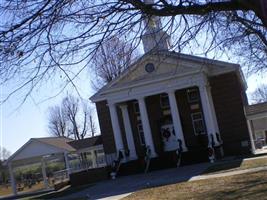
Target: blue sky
x=19, y=124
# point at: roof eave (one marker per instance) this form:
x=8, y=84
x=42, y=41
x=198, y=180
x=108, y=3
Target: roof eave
x=235, y=67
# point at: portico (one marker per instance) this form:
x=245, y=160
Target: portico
x=118, y=94
x=38, y=151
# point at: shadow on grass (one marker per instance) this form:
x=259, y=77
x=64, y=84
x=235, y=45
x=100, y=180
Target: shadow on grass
x=62, y=193
x=230, y=165
x=247, y=192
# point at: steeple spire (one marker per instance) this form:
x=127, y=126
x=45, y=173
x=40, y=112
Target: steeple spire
x=155, y=38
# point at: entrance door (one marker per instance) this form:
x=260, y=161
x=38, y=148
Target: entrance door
x=168, y=137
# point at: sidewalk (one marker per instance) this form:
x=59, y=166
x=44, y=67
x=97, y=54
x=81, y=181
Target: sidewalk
x=123, y=186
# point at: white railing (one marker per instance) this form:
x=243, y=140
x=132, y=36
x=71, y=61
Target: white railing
x=60, y=176
x=260, y=144
x=85, y=164
x=179, y=152
x=147, y=158
x=116, y=164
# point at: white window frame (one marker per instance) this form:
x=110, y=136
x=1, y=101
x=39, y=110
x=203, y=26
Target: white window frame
x=188, y=96
x=164, y=95
x=197, y=120
x=135, y=106
x=260, y=133
x=100, y=157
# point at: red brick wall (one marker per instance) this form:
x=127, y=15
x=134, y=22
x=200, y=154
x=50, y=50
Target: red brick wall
x=229, y=98
x=105, y=127
x=193, y=142
x=88, y=176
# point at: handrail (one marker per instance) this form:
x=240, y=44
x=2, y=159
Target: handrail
x=147, y=158
x=179, y=152
x=211, y=152
x=116, y=165
x=219, y=139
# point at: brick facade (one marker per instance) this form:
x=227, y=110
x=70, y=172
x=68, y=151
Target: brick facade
x=229, y=98
x=105, y=127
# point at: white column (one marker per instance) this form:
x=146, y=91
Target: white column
x=207, y=111
x=116, y=126
x=12, y=179
x=215, y=119
x=44, y=173
x=251, y=132
x=128, y=131
x=213, y=109
x=176, y=119
x=146, y=126
x=66, y=158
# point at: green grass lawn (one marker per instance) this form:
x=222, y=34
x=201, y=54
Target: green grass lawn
x=246, y=186
x=236, y=165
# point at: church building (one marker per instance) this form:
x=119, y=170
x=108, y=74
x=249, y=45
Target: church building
x=168, y=106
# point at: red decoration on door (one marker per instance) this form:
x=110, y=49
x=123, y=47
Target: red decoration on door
x=166, y=133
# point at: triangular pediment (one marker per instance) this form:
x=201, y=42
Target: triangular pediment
x=166, y=66
x=35, y=148
x=163, y=66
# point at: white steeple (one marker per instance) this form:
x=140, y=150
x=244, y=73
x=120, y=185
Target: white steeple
x=155, y=38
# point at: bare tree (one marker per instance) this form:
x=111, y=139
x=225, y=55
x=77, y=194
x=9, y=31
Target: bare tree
x=57, y=123
x=260, y=94
x=42, y=39
x=4, y=153
x=71, y=119
x=92, y=126
x=110, y=60
x=3, y=173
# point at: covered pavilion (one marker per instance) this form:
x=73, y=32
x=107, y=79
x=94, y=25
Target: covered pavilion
x=39, y=150
x=257, y=124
